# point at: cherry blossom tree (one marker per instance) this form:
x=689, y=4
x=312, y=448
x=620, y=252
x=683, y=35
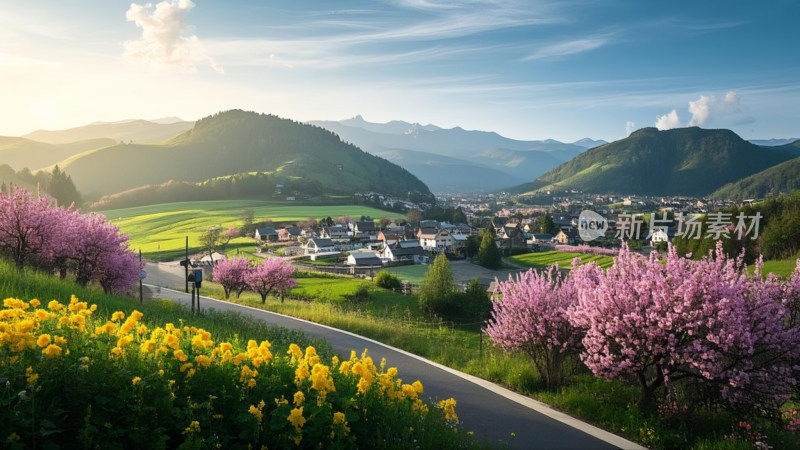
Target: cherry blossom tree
x=272, y=274
x=96, y=242
x=531, y=316
x=119, y=271
x=231, y=275
x=706, y=322
x=27, y=226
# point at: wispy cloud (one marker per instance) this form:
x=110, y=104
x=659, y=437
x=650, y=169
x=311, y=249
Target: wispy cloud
x=165, y=41
x=570, y=47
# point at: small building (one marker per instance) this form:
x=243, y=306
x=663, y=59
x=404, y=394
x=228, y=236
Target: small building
x=289, y=234
x=364, y=228
x=319, y=245
x=440, y=240
x=567, y=236
x=266, y=234
x=403, y=251
x=363, y=258
x=541, y=238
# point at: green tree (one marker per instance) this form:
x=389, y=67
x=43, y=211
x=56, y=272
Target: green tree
x=473, y=245
x=436, y=293
x=214, y=238
x=459, y=216
x=474, y=302
x=63, y=189
x=547, y=225
x=489, y=254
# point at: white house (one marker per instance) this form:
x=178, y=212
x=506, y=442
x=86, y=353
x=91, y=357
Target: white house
x=658, y=235
x=438, y=241
x=403, y=251
x=363, y=258
x=319, y=245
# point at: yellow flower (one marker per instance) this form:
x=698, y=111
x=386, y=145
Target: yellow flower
x=43, y=341
x=51, y=351
x=339, y=419
x=136, y=380
x=118, y=315
x=43, y=315
x=448, y=406
x=239, y=358
x=256, y=413
x=418, y=387
x=54, y=305
x=193, y=427
x=180, y=355
x=299, y=398
x=186, y=366
x=202, y=360
x=296, y=418
x=172, y=341
x=295, y=351
x=301, y=373
x=125, y=340
x=59, y=340
x=13, y=437
x=392, y=372
x=281, y=401
x=31, y=376
x=36, y=303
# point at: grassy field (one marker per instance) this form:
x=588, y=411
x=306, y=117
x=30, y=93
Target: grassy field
x=414, y=274
x=563, y=259
x=160, y=230
x=783, y=267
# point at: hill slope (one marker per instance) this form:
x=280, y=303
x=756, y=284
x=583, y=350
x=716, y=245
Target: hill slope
x=20, y=153
x=139, y=131
x=783, y=178
x=685, y=161
x=237, y=141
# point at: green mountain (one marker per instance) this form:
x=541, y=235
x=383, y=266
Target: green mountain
x=685, y=161
x=21, y=153
x=783, y=178
x=235, y=142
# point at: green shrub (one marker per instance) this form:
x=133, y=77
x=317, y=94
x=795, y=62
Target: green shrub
x=387, y=280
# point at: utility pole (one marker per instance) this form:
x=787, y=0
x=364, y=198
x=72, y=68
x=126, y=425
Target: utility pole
x=187, y=264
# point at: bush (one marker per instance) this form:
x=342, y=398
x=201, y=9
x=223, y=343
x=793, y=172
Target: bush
x=473, y=303
x=387, y=280
x=362, y=294
x=436, y=292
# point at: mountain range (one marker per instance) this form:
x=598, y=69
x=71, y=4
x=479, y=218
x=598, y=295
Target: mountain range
x=685, y=161
x=235, y=142
x=457, y=160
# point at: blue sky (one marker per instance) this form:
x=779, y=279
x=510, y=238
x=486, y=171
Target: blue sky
x=525, y=69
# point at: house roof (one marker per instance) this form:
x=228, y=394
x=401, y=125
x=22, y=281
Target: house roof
x=266, y=231
x=366, y=225
x=320, y=242
x=366, y=258
x=398, y=250
x=408, y=244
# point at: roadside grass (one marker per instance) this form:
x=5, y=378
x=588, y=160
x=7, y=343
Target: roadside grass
x=563, y=259
x=30, y=284
x=160, y=230
x=783, y=267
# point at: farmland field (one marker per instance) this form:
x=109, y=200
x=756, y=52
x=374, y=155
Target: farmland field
x=563, y=259
x=160, y=230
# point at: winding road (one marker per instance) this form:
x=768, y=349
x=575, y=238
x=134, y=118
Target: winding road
x=492, y=412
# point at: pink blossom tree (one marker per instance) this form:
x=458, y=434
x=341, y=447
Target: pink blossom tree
x=27, y=227
x=532, y=316
x=273, y=274
x=706, y=322
x=231, y=275
x=119, y=271
x=96, y=242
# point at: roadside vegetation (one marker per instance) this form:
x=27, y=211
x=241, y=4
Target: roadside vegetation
x=150, y=375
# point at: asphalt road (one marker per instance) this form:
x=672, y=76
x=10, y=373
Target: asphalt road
x=492, y=412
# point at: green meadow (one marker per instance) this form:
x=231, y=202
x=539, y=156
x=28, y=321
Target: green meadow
x=160, y=231
x=563, y=259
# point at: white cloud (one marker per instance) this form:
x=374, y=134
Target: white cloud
x=668, y=121
x=165, y=41
x=568, y=48
x=707, y=108
x=629, y=127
